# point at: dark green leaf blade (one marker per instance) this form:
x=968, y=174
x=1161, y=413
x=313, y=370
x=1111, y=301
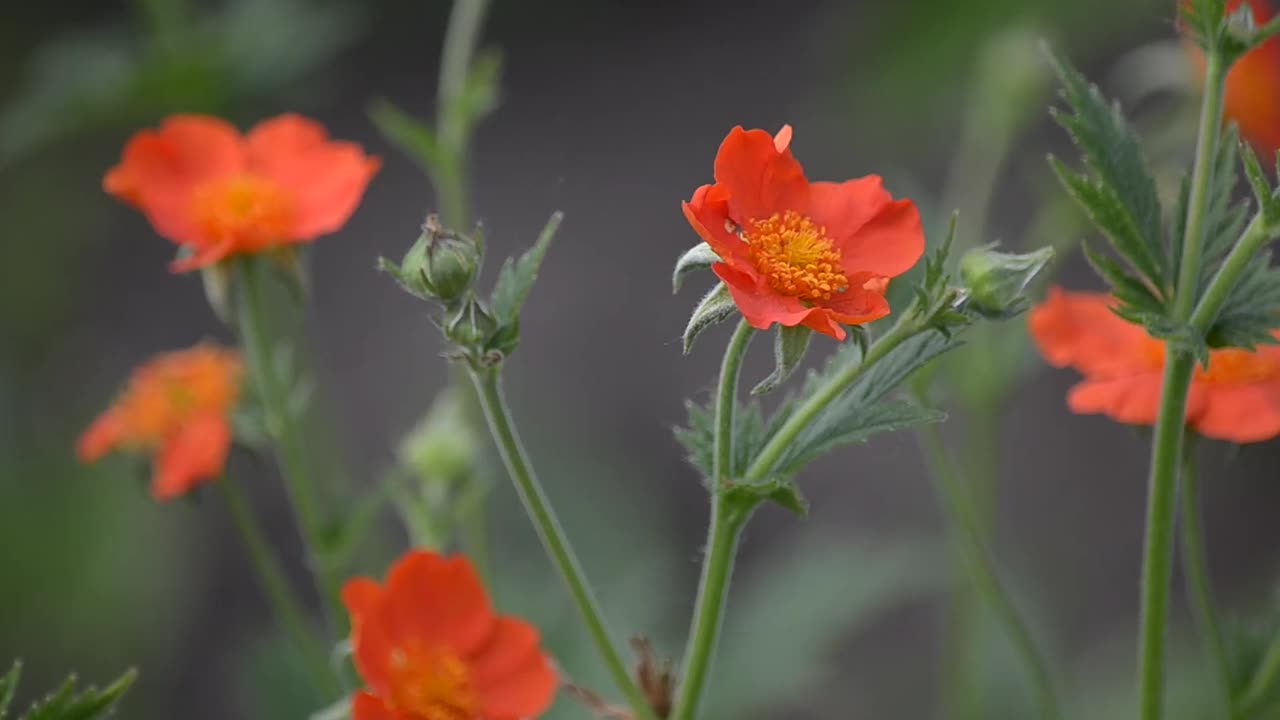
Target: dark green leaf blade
x=516, y=278
x=789, y=347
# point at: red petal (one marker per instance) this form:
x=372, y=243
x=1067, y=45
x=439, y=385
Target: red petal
x=525, y=692
x=103, y=435
x=326, y=179
x=512, y=645
x=436, y=600
x=197, y=453
x=1134, y=400
x=843, y=208
x=823, y=321
x=857, y=305
x=888, y=243
x=759, y=177
x=1081, y=331
x=758, y=303
x=1240, y=413
x=707, y=213
x=369, y=707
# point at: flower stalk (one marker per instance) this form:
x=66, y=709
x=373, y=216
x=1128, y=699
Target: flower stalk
x=488, y=383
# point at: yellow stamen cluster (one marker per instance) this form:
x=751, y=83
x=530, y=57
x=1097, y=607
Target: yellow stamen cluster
x=431, y=686
x=796, y=256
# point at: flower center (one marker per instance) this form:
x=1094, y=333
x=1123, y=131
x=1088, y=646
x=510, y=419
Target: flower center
x=431, y=685
x=1229, y=366
x=796, y=256
x=250, y=211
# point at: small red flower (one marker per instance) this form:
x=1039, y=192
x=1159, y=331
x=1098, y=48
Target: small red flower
x=1252, y=96
x=429, y=647
x=176, y=407
x=217, y=193
x=1236, y=399
x=799, y=253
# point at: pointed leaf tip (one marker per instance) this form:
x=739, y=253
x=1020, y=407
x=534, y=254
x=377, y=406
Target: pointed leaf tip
x=698, y=257
x=714, y=307
x=790, y=344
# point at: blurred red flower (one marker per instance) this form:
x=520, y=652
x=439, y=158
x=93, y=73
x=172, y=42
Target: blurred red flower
x=1236, y=399
x=175, y=407
x=429, y=647
x=217, y=193
x=795, y=252
x=1252, y=96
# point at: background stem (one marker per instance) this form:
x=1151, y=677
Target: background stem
x=489, y=387
x=256, y=340
x=284, y=603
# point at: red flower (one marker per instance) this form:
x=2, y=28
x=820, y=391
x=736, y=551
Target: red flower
x=429, y=647
x=1236, y=399
x=1252, y=96
x=795, y=252
x=217, y=193
x=176, y=407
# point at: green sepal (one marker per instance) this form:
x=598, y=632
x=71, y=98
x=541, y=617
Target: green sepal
x=996, y=281
x=782, y=492
x=698, y=257
x=516, y=278
x=716, y=306
x=789, y=347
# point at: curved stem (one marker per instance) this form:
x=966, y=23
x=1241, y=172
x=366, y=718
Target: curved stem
x=722, y=537
x=1199, y=586
x=1255, y=237
x=460, y=40
x=764, y=462
x=1201, y=186
x=965, y=519
x=284, y=603
x=256, y=342
x=1258, y=692
x=538, y=506
x=1157, y=562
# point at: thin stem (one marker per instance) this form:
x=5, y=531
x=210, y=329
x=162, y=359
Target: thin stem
x=1258, y=692
x=460, y=40
x=1255, y=236
x=1201, y=185
x=965, y=519
x=1199, y=586
x=489, y=387
x=256, y=342
x=764, y=463
x=1166, y=449
x=1157, y=562
x=284, y=603
x=722, y=537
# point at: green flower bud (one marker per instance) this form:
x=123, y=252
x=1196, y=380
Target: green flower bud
x=996, y=280
x=471, y=327
x=443, y=446
x=441, y=265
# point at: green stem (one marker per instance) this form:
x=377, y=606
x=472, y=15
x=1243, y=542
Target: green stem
x=288, y=609
x=1257, y=694
x=489, y=387
x=256, y=342
x=460, y=40
x=1157, y=563
x=1201, y=186
x=727, y=521
x=1255, y=237
x=764, y=463
x=1166, y=448
x=1199, y=586
x=965, y=518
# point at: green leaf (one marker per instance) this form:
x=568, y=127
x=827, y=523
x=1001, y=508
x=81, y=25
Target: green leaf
x=1252, y=309
x=9, y=687
x=789, y=346
x=1128, y=289
x=698, y=257
x=516, y=278
x=1118, y=191
x=1225, y=217
x=412, y=136
x=861, y=411
x=89, y=704
x=716, y=306
x=780, y=491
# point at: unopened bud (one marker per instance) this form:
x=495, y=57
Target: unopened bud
x=443, y=447
x=996, y=280
x=441, y=265
x=471, y=327
x=1241, y=25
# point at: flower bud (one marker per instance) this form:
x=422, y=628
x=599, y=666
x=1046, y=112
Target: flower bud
x=443, y=447
x=996, y=280
x=471, y=327
x=441, y=265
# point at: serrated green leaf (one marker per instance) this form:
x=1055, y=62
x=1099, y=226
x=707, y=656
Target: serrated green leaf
x=90, y=704
x=750, y=432
x=789, y=347
x=410, y=135
x=1118, y=193
x=516, y=278
x=1225, y=217
x=1129, y=290
x=1252, y=310
x=9, y=687
x=716, y=306
x=698, y=257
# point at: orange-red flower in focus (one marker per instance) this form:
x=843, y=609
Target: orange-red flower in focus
x=430, y=647
x=1252, y=96
x=217, y=193
x=177, y=408
x=1236, y=399
x=795, y=252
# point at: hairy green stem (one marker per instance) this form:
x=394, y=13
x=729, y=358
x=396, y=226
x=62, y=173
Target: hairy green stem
x=489, y=387
x=1200, y=587
x=284, y=602
x=256, y=341
x=1166, y=448
x=764, y=462
x=722, y=537
x=966, y=520
x=1258, y=233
